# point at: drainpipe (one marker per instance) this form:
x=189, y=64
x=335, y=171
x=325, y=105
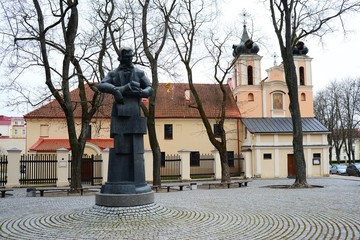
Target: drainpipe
x=238, y=136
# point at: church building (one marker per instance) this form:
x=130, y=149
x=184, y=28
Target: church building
x=266, y=120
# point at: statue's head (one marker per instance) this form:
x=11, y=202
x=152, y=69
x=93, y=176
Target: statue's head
x=125, y=55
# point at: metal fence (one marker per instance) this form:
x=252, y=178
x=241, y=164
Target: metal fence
x=38, y=169
x=90, y=170
x=236, y=164
x=170, y=167
x=3, y=170
x=201, y=166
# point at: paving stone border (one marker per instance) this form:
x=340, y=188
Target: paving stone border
x=254, y=212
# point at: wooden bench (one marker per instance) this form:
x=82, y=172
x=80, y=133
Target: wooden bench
x=90, y=189
x=155, y=188
x=240, y=182
x=67, y=189
x=4, y=190
x=51, y=189
x=228, y=184
x=179, y=186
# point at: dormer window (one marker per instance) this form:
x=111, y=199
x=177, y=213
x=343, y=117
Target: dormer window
x=250, y=75
x=302, y=76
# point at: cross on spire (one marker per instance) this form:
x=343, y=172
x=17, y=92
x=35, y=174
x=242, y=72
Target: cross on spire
x=244, y=15
x=275, y=56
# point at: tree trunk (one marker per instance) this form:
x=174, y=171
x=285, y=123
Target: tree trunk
x=77, y=150
x=76, y=170
x=225, y=169
x=154, y=144
x=291, y=81
x=337, y=151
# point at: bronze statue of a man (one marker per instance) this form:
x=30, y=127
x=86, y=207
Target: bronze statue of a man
x=128, y=85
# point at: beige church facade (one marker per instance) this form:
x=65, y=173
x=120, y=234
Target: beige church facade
x=266, y=120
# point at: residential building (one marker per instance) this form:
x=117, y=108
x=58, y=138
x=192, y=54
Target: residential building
x=12, y=133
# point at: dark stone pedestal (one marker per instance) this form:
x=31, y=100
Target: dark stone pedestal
x=124, y=200
x=126, y=185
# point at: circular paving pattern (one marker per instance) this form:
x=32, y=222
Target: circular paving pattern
x=157, y=222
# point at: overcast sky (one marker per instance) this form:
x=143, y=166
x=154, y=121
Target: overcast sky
x=337, y=58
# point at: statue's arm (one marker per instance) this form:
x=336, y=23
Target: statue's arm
x=146, y=88
x=106, y=85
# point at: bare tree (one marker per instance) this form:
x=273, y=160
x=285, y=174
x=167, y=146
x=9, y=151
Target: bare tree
x=48, y=36
x=294, y=20
x=153, y=45
x=349, y=97
x=337, y=108
x=326, y=111
x=186, y=30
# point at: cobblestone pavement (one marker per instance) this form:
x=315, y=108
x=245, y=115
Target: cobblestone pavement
x=253, y=212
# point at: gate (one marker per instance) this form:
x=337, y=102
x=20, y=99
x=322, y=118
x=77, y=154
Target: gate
x=3, y=170
x=87, y=173
x=91, y=170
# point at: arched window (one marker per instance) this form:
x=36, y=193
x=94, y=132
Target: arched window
x=250, y=75
x=250, y=97
x=303, y=97
x=278, y=101
x=302, y=76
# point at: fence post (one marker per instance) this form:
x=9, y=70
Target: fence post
x=217, y=164
x=13, y=173
x=62, y=167
x=185, y=164
x=105, y=165
x=148, y=161
x=247, y=165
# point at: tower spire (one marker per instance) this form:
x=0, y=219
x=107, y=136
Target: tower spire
x=246, y=46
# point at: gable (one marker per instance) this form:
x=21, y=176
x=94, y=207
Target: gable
x=275, y=73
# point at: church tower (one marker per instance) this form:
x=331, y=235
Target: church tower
x=246, y=80
x=268, y=98
x=266, y=123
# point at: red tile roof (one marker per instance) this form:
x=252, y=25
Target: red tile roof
x=170, y=103
x=4, y=120
x=51, y=145
x=53, y=109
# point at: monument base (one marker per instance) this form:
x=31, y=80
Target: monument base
x=124, y=200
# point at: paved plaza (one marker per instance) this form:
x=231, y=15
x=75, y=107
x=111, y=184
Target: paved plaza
x=253, y=212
